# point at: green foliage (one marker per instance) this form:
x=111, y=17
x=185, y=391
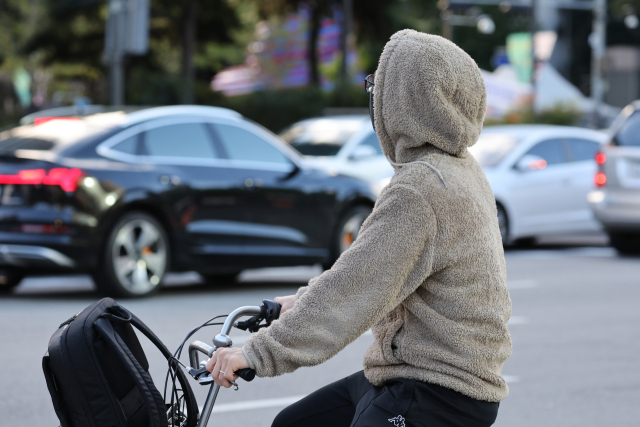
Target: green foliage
x=561, y=114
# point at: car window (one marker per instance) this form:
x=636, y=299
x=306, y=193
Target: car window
x=582, y=149
x=492, y=148
x=321, y=137
x=180, y=140
x=629, y=133
x=372, y=141
x=551, y=150
x=129, y=145
x=240, y=144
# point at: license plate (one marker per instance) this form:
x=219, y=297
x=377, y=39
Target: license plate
x=11, y=195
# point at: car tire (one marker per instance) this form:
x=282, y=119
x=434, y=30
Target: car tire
x=625, y=244
x=135, y=257
x=503, y=224
x=9, y=279
x=346, y=232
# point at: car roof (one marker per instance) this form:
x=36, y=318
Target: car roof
x=129, y=115
x=180, y=110
x=340, y=118
x=59, y=134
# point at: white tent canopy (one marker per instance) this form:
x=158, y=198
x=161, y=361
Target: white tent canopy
x=505, y=93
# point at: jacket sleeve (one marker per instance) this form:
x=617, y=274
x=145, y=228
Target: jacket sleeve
x=369, y=280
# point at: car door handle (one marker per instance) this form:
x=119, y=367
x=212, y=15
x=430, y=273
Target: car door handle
x=166, y=180
x=250, y=182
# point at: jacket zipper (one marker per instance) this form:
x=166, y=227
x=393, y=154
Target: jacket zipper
x=71, y=372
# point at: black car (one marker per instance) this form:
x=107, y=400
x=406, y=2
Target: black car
x=127, y=197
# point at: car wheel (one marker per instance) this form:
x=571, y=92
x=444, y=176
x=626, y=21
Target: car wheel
x=625, y=244
x=347, y=232
x=503, y=224
x=136, y=257
x=9, y=279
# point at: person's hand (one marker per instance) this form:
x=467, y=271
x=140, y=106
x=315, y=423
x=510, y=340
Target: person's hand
x=286, y=302
x=223, y=364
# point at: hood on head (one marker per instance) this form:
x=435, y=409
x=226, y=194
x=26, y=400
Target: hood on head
x=428, y=91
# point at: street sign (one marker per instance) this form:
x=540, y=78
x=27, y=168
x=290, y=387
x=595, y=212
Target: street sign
x=126, y=32
x=137, y=40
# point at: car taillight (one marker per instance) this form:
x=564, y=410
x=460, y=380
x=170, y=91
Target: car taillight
x=64, y=177
x=601, y=177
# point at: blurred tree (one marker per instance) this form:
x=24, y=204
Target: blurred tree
x=72, y=37
x=216, y=20
x=18, y=21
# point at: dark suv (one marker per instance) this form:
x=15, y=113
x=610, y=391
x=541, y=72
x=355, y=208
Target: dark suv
x=616, y=200
x=127, y=197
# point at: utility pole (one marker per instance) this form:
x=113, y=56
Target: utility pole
x=534, y=28
x=347, y=33
x=598, y=41
x=114, y=49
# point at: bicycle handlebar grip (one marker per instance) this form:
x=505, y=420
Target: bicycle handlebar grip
x=246, y=374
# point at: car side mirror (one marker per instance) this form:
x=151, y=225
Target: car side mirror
x=529, y=162
x=362, y=152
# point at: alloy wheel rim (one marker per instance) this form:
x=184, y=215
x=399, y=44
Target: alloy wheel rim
x=139, y=256
x=350, y=231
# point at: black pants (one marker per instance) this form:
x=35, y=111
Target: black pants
x=355, y=402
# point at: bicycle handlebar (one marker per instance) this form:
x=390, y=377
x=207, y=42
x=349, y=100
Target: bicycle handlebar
x=268, y=312
x=246, y=374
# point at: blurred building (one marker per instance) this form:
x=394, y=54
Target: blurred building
x=623, y=75
x=278, y=58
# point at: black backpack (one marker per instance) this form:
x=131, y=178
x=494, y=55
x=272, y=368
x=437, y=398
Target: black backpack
x=98, y=375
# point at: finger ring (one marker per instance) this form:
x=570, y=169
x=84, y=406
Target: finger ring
x=222, y=372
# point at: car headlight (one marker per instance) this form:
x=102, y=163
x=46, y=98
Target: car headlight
x=378, y=186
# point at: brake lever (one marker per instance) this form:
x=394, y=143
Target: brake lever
x=196, y=373
x=208, y=379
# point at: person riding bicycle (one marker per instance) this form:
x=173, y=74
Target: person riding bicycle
x=427, y=271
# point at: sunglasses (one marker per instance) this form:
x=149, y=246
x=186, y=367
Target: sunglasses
x=368, y=83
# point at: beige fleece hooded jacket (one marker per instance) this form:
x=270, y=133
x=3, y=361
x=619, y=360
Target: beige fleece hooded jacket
x=427, y=271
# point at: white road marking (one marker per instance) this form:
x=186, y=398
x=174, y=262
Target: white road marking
x=518, y=320
x=521, y=284
x=550, y=254
x=511, y=379
x=300, y=274
x=255, y=404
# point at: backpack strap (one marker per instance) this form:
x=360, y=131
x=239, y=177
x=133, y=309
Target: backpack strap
x=155, y=403
x=190, y=399
x=117, y=313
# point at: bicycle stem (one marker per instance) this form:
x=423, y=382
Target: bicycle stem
x=222, y=337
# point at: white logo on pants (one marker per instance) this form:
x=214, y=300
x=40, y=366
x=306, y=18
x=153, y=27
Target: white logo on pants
x=397, y=421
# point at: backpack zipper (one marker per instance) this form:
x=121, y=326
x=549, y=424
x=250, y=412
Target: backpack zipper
x=69, y=320
x=71, y=372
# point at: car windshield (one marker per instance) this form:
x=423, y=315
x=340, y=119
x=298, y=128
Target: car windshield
x=491, y=148
x=321, y=137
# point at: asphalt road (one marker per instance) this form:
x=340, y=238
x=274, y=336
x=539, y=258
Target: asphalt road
x=576, y=354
